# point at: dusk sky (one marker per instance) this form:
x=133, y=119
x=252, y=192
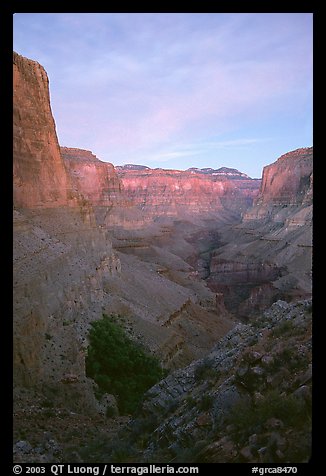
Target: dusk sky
x=176, y=90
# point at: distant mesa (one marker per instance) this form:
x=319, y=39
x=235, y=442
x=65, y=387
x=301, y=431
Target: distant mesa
x=132, y=167
x=230, y=173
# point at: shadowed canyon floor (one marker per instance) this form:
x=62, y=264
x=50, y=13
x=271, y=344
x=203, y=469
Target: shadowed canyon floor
x=190, y=261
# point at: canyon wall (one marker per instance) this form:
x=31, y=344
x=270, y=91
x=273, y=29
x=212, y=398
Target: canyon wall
x=66, y=272
x=95, y=180
x=61, y=257
x=273, y=256
x=40, y=178
x=287, y=183
x=189, y=193
x=97, y=183
x=90, y=238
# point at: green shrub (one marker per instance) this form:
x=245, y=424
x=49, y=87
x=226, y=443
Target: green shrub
x=283, y=328
x=110, y=412
x=47, y=404
x=288, y=358
x=119, y=365
x=190, y=401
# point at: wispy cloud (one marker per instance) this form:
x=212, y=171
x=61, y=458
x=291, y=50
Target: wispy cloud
x=145, y=83
x=201, y=148
x=168, y=156
x=235, y=143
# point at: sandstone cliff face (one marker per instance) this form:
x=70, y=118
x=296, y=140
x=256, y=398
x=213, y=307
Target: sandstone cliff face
x=95, y=180
x=61, y=257
x=192, y=193
x=285, y=183
x=283, y=209
x=39, y=174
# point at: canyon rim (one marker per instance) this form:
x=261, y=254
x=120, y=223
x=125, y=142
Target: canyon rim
x=209, y=270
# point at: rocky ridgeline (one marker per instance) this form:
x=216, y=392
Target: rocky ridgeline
x=222, y=171
x=249, y=400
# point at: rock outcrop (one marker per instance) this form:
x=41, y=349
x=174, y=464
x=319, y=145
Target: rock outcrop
x=232, y=174
x=248, y=401
x=95, y=180
x=40, y=179
x=287, y=180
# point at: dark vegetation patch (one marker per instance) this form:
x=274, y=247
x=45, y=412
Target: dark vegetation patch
x=119, y=365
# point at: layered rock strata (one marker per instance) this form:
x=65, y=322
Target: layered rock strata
x=40, y=178
x=95, y=180
x=61, y=257
x=189, y=193
x=288, y=180
x=273, y=256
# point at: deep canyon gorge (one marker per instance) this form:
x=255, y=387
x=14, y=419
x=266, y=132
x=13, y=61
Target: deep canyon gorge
x=191, y=261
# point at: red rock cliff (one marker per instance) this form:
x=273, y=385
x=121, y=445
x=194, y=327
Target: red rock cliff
x=287, y=180
x=95, y=180
x=185, y=193
x=285, y=183
x=62, y=260
x=39, y=174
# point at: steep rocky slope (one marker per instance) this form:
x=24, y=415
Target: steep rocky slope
x=249, y=400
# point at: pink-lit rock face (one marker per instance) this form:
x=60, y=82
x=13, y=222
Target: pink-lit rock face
x=40, y=179
x=286, y=184
x=95, y=180
x=61, y=257
x=180, y=193
x=287, y=180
